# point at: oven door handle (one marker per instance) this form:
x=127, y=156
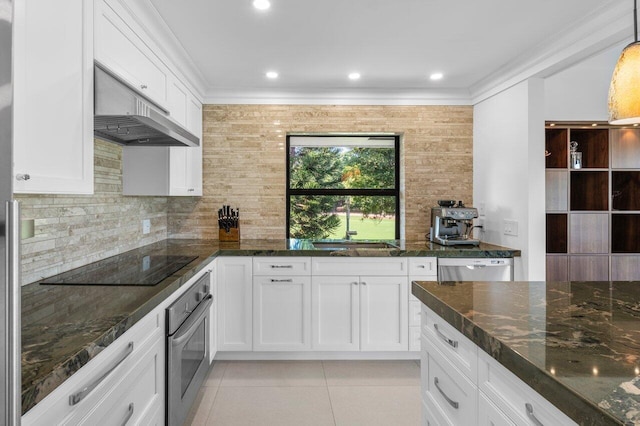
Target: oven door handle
x=185, y=331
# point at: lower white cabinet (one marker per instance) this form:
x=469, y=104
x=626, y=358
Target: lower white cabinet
x=130, y=370
x=335, y=313
x=213, y=313
x=281, y=313
x=450, y=369
x=363, y=313
x=235, y=303
x=137, y=396
x=515, y=398
x=489, y=414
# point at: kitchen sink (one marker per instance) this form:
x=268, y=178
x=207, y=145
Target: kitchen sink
x=351, y=245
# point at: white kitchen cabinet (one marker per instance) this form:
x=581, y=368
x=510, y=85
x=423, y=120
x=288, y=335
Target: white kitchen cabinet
x=489, y=414
x=281, y=303
x=359, y=312
x=121, y=51
x=517, y=400
x=420, y=269
x=383, y=313
x=335, y=313
x=235, y=303
x=53, y=97
x=139, y=352
x=282, y=313
x=137, y=396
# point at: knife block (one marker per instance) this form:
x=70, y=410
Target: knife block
x=232, y=236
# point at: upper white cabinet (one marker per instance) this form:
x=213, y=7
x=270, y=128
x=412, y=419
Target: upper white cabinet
x=119, y=49
x=53, y=97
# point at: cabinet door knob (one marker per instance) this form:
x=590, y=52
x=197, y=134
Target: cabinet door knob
x=191, y=189
x=23, y=176
x=143, y=86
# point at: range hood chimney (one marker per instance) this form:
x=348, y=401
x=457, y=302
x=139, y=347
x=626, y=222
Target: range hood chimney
x=124, y=116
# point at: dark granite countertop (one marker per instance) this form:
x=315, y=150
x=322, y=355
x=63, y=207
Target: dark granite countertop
x=65, y=326
x=577, y=344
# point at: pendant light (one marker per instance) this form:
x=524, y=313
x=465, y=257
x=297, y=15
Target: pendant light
x=624, y=92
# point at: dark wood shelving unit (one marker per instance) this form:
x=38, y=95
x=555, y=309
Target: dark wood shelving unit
x=589, y=191
x=594, y=145
x=593, y=213
x=625, y=190
x=556, y=146
x=625, y=229
x=557, y=238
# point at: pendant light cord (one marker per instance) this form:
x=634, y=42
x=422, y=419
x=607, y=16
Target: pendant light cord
x=635, y=18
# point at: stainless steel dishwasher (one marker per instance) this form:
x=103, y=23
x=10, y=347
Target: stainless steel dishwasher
x=475, y=269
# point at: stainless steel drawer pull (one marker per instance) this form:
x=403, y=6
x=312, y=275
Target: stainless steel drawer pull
x=289, y=280
x=422, y=266
x=23, y=176
x=81, y=394
x=129, y=415
x=281, y=266
x=453, y=343
x=532, y=416
x=449, y=400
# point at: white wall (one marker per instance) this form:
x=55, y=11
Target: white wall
x=508, y=172
x=580, y=93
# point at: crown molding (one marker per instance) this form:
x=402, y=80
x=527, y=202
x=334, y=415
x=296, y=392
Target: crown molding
x=607, y=26
x=338, y=97
x=147, y=16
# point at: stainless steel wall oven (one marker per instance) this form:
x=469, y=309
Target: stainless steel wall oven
x=188, y=322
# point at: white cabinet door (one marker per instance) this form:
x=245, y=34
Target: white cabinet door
x=119, y=49
x=177, y=101
x=53, y=97
x=235, y=300
x=384, y=313
x=185, y=170
x=335, y=313
x=282, y=313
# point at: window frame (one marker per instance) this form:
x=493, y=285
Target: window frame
x=392, y=192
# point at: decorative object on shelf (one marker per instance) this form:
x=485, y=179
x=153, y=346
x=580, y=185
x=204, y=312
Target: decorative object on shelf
x=576, y=156
x=624, y=91
x=229, y=224
x=547, y=153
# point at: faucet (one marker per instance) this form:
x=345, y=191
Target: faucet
x=349, y=234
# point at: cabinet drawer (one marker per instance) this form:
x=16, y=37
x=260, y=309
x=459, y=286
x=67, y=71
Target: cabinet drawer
x=489, y=414
x=448, y=392
x=282, y=266
x=423, y=266
x=56, y=407
x=513, y=397
x=462, y=352
x=373, y=266
x=137, y=396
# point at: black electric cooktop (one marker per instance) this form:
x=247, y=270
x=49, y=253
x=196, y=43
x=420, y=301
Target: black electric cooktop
x=123, y=270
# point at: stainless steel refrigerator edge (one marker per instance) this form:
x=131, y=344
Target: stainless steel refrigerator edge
x=10, y=359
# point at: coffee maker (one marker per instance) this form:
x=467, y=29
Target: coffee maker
x=452, y=224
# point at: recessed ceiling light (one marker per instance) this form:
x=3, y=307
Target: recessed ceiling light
x=272, y=75
x=635, y=125
x=594, y=125
x=552, y=125
x=354, y=76
x=261, y=4
x=436, y=76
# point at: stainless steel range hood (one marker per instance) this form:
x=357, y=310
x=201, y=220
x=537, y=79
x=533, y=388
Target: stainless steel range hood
x=124, y=116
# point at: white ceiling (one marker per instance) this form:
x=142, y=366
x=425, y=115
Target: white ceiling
x=394, y=44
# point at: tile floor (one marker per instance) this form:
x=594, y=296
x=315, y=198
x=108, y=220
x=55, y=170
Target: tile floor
x=282, y=393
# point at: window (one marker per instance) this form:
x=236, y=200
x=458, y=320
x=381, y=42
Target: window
x=343, y=187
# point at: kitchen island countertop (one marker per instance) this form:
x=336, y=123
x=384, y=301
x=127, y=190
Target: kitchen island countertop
x=575, y=343
x=64, y=327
